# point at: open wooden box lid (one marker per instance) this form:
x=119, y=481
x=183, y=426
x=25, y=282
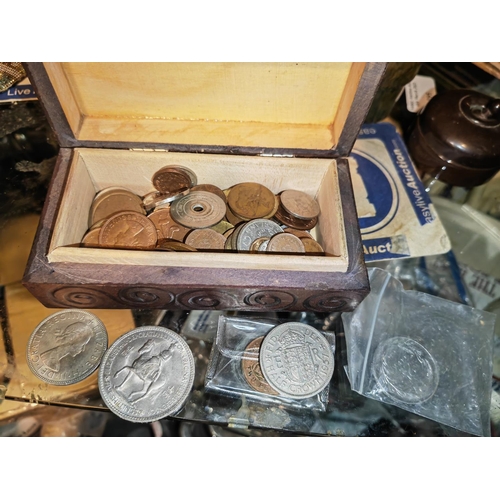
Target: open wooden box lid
x=299, y=109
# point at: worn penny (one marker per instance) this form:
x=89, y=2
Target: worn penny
x=128, y=230
x=198, y=210
x=91, y=239
x=114, y=200
x=250, y=366
x=251, y=200
x=206, y=239
x=303, y=225
x=299, y=204
x=211, y=189
x=171, y=180
x=312, y=246
x=166, y=227
x=285, y=243
x=232, y=218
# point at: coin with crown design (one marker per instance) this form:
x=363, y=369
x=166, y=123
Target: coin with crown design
x=296, y=360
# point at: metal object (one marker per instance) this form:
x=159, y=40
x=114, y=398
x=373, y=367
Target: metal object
x=147, y=374
x=285, y=243
x=250, y=367
x=171, y=180
x=67, y=347
x=254, y=229
x=128, y=230
x=296, y=360
x=299, y=204
x=112, y=200
x=206, y=239
x=250, y=200
x=198, y=210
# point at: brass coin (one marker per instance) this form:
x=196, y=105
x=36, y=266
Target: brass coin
x=222, y=227
x=206, y=238
x=211, y=189
x=114, y=200
x=299, y=234
x=171, y=180
x=175, y=246
x=128, y=230
x=312, y=246
x=198, y=210
x=233, y=219
x=299, y=204
x=250, y=200
x=285, y=243
x=91, y=239
x=166, y=227
x=303, y=225
x=259, y=245
x=250, y=366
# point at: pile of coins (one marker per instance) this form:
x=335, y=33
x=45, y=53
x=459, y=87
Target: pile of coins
x=293, y=360
x=145, y=375
x=181, y=215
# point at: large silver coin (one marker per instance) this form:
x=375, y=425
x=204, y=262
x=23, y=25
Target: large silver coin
x=296, y=360
x=254, y=229
x=146, y=374
x=67, y=347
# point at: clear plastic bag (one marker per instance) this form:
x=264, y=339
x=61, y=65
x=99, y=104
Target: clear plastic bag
x=427, y=355
x=234, y=370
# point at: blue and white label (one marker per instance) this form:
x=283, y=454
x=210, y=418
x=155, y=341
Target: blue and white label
x=395, y=212
x=21, y=92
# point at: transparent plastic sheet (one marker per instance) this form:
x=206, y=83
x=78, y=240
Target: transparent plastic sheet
x=232, y=350
x=424, y=354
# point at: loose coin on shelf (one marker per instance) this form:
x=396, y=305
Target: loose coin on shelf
x=67, y=347
x=147, y=374
x=128, y=230
x=250, y=366
x=296, y=360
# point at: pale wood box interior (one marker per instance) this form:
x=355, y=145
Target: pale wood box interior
x=95, y=169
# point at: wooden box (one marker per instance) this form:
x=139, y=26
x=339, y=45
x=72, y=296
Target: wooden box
x=284, y=125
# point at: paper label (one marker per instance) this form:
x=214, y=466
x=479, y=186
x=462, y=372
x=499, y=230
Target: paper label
x=23, y=91
x=419, y=92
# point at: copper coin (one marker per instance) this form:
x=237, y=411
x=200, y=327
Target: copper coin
x=299, y=204
x=303, y=225
x=166, y=227
x=285, y=243
x=275, y=209
x=171, y=180
x=188, y=171
x=250, y=200
x=299, y=234
x=312, y=246
x=91, y=239
x=128, y=230
x=211, y=189
x=259, y=245
x=175, y=246
x=250, y=366
x=232, y=218
x=205, y=238
x=98, y=224
x=114, y=200
x=198, y=210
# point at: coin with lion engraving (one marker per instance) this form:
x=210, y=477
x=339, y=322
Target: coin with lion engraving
x=296, y=360
x=67, y=347
x=147, y=374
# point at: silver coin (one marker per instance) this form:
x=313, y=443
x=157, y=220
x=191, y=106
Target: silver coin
x=254, y=229
x=198, y=210
x=67, y=347
x=405, y=370
x=296, y=360
x=147, y=374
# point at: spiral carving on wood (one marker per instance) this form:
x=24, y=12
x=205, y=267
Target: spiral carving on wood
x=325, y=302
x=85, y=298
x=145, y=297
x=270, y=299
x=207, y=299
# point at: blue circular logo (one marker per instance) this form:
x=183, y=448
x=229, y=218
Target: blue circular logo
x=375, y=192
